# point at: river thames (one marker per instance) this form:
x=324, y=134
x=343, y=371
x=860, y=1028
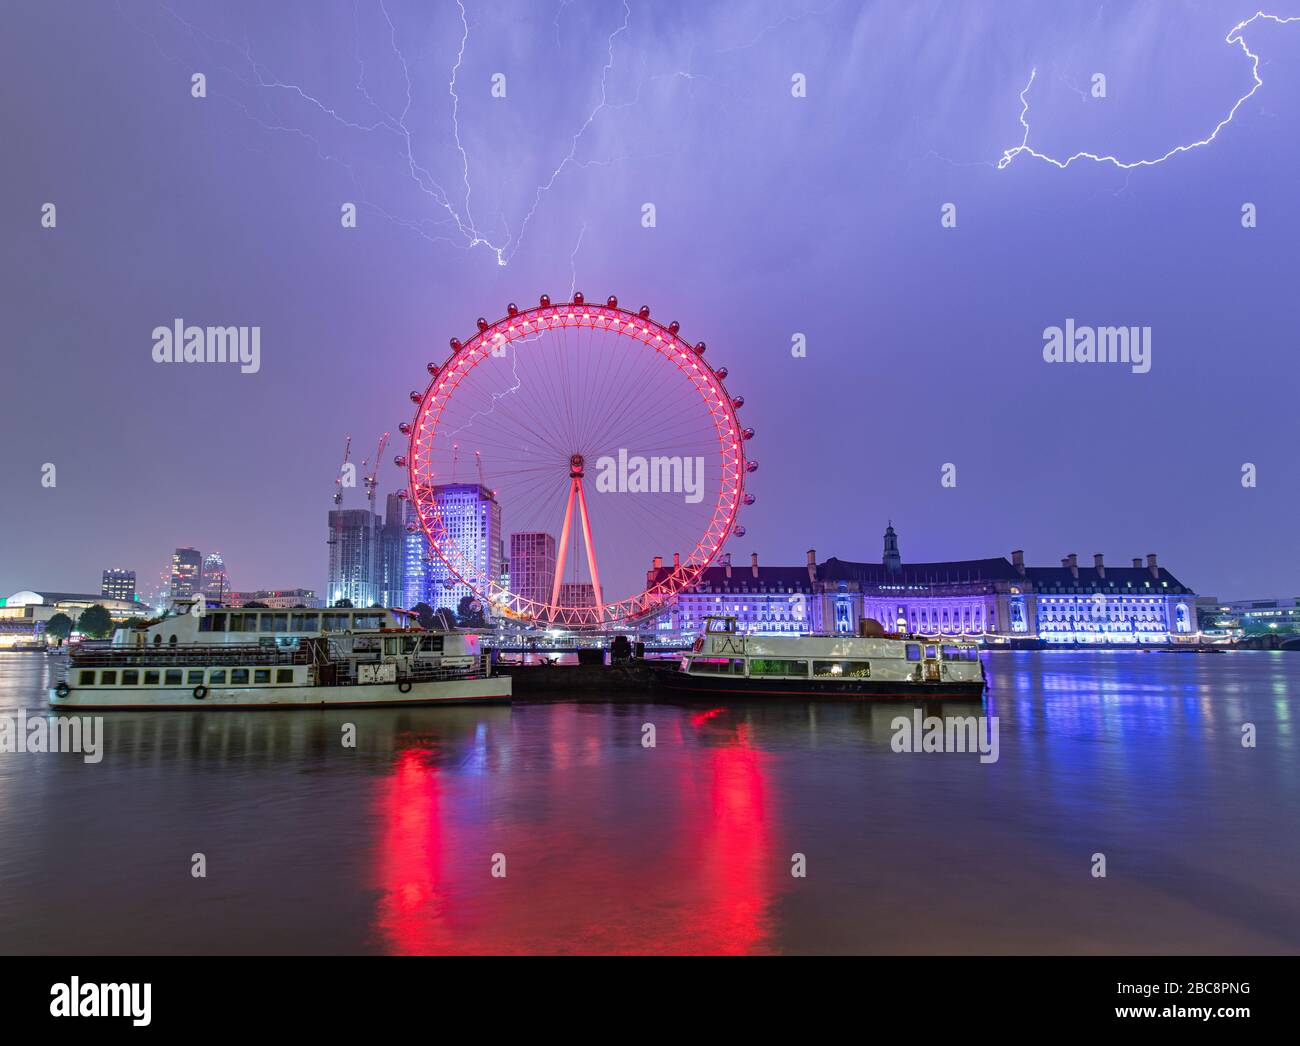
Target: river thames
x=687, y=847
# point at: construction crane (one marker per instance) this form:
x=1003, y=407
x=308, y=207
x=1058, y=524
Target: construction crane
x=371, y=479
x=338, y=480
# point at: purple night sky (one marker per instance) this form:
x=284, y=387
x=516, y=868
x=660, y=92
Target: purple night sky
x=775, y=215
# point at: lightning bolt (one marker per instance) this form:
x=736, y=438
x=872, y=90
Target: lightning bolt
x=1235, y=36
x=456, y=226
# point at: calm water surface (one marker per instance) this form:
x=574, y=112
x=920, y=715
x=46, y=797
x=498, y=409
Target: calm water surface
x=686, y=847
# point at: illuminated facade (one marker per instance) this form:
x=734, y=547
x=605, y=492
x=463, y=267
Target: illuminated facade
x=118, y=584
x=763, y=600
x=353, y=535
x=276, y=598
x=470, y=519
x=1253, y=617
x=216, y=582
x=999, y=600
x=576, y=594
x=186, y=573
x=532, y=565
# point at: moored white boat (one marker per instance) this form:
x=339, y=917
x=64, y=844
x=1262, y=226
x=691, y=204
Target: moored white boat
x=247, y=658
x=873, y=667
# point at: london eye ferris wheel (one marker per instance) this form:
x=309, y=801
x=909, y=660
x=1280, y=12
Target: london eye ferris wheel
x=585, y=444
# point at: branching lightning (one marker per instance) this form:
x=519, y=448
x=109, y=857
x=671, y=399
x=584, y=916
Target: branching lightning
x=457, y=225
x=1236, y=36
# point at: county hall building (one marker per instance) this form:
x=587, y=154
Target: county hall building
x=998, y=600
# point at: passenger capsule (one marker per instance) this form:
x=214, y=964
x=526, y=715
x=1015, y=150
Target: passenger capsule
x=674, y=327
x=400, y=461
x=416, y=397
x=644, y=312
x=483, y=324
x=612, y=302
x=751, y=466
x=747, y=433
x=404, y=428
x=722, y=373
x=738, y=402
x=749, y=499
x=578, y=299
x=455, y=344
x=512, y=309
x=739, y=532
x=544, y=300
x=699, y=348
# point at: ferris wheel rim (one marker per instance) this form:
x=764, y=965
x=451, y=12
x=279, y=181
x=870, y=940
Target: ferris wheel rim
x=489, y=340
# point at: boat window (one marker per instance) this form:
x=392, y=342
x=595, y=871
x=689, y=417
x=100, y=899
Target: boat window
x=239, y=677
x=774, y=666
x=931, y=652
x=367, y=621
x=304, y=623
x=275, y=622
x=243, y=622
x=841, y=669
x=86, y=679
x=718, y=664
x=390, y=646
x=194, y=677
x=914, y=651
x=151, y=677
x=261, y=675
x=130, y=677
x=409, y=644
x=218, y=622
x=157, y=639
x=205, y=624
x=173, y=639
x=108, y=678
x=217, y=677
x=950, y=653
x=172, y=677
x=335, y=622
x=284, y=675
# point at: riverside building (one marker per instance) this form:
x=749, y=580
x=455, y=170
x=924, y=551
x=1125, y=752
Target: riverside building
x=999, y=600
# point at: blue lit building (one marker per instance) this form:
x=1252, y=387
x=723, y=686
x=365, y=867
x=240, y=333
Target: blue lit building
x=999, y=600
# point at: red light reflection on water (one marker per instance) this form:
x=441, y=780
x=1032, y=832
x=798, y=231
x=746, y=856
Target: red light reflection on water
x=413, y=906
x=594, y=867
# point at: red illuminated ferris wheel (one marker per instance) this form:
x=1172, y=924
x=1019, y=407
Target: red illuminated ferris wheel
x=583, y=445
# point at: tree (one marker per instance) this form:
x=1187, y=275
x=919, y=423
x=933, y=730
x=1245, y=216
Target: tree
x=343, y=604
x=469, y=613
x=95, y=622
x=59, y=626
x=255, y=605
x=423, y=615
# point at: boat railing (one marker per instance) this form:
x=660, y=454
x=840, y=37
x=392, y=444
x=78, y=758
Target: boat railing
x=190, y=654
